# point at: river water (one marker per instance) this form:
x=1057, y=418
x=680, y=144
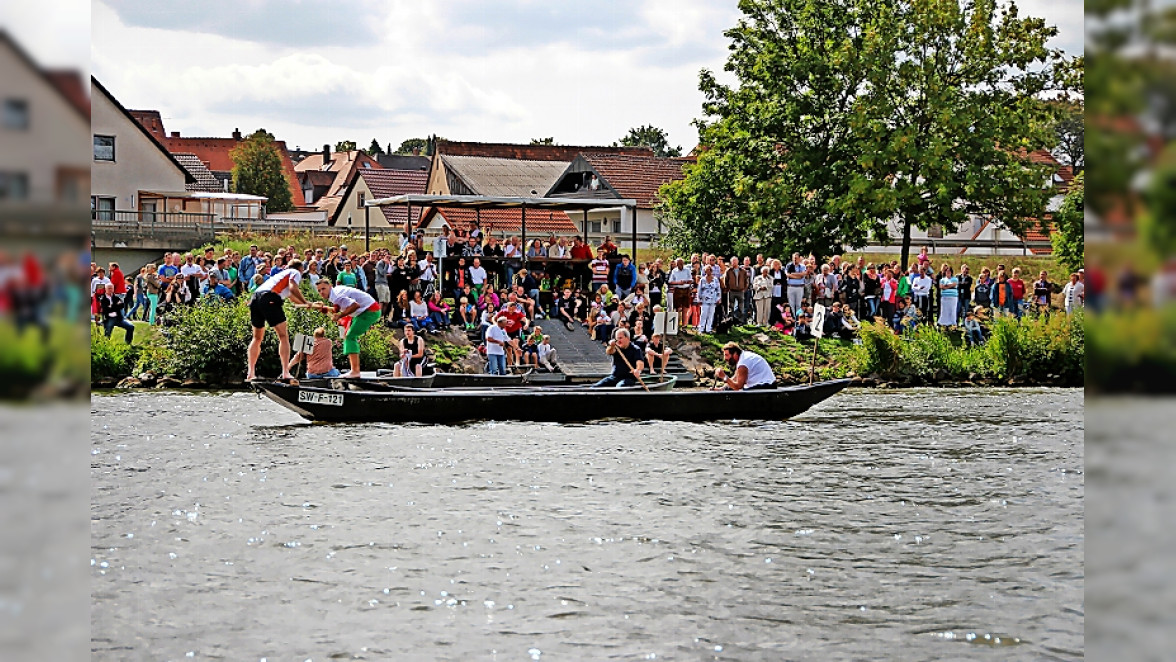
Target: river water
x=913, y=525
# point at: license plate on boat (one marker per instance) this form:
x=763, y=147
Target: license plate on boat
x=320, y=398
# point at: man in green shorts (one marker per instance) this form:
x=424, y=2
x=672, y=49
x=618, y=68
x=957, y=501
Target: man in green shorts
x=363, y=310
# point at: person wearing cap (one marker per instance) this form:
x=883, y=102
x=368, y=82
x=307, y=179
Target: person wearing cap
x=215, y=289
x=496, y=341
x=751, y=371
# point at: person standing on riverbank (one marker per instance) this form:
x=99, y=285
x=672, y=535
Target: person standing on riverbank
x=363, y=310
x=266, y=308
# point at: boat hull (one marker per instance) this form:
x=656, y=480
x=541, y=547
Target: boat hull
x=448, y=406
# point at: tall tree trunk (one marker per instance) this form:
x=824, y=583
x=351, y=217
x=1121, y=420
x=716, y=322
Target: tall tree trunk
x=906, y=243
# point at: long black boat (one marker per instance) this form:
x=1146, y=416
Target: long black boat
x=538, y=404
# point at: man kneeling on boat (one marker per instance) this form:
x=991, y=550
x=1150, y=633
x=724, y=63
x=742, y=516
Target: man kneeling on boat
x=751, y=370
x=627, y=361
x=363, y=310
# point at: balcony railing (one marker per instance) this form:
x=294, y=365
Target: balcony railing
x=142, y=225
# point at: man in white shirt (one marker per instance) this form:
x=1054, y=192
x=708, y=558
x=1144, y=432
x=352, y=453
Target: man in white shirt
x=496, y=341
x=195, y=274
x=363, y=310
x=752, y=371
x=680, y=283
x=921, y=290
x=478, y=276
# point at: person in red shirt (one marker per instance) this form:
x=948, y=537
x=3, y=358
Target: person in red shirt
x=516, y=324
x=609, y=248
x=118, y=280
x=580, y=250
x=1018, y=287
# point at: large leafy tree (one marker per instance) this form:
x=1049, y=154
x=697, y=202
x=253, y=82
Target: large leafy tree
x=652, y=137
x=257, y=170
x=1069, y=235
x=850, y=115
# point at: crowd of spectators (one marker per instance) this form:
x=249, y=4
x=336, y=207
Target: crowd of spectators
x=468, y=280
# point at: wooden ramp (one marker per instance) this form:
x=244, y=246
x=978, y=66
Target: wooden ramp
x=580, y=357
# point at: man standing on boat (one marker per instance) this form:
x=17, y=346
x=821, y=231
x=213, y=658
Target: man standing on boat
x=266, y=308
x=751, y=370
x=628, y=361
x=363, y=310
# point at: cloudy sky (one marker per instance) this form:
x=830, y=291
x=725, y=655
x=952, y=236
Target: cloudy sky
x=312, y=71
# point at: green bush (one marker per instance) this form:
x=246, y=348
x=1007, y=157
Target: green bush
x=110, y=358
x=1134, y=350
x=1047, y=349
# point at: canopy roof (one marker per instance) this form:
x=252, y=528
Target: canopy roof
x=485, y=202
x=206, y=195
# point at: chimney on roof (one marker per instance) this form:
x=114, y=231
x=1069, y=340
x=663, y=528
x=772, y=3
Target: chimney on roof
x=326, y=154
x=416, y=151
x=175, y=134
x=236, y=134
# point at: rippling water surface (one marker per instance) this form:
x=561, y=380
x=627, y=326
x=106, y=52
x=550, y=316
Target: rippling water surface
x=921, y=525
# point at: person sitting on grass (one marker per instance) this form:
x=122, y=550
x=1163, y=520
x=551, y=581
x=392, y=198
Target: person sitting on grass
x=320, y=363
x=973, y=332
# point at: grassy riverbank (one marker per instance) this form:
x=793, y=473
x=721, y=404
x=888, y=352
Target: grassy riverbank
x=1031, y=351
x=30, y=364
x=206, y=344
x=1133, y=351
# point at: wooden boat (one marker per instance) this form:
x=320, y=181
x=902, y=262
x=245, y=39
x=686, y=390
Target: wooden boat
x=459, y=380
x=545, y=404
x=369, y=383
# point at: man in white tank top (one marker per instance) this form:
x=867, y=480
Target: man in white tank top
x=751, y=370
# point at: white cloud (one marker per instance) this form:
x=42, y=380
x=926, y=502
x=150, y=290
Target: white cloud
x=57, y=38
x=463, y=69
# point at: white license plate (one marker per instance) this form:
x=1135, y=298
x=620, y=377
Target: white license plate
x=320, y=398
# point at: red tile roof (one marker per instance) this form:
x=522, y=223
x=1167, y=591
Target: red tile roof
x=214, y=152
x=636, y=177
x=530, y=152
x=389, y=183
x=540, y=222
x=1039, y=232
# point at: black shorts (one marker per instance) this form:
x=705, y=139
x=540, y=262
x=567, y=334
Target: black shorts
x=266, y=308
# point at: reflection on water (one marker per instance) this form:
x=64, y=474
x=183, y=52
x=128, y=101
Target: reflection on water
x=920, y=525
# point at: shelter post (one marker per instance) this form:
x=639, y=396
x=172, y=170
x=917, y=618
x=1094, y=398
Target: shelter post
x=633, y=220
x=367, y=230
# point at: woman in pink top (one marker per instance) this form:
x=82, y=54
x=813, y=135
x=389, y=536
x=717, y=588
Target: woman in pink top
x=889, y=294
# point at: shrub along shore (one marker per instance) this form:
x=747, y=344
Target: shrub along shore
x=204, y=346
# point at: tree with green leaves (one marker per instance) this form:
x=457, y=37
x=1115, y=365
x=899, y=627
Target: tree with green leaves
x=1158, y=225
x=407, y=146
x=345, y=146
x=652, y=137
x=257, y=170
x=374, y=148
x=1070, y=129
x=1069, y=234
x=852, y=115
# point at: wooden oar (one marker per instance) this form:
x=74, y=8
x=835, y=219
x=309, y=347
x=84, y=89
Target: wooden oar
x=631, y=370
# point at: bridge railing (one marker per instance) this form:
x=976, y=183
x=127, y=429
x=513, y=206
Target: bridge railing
x=125, y=225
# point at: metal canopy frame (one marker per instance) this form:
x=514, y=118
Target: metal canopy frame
x=478, y=203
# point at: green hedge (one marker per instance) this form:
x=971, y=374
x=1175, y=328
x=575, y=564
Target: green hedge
x=1133, y=350
x=1048, y=349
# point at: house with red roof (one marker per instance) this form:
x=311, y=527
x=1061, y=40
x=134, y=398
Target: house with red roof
x=325, y=176
x=624, y=176
x=213, y=152
x=501, y=223
x=373, y=184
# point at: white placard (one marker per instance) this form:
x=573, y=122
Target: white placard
x=818, y=320
x=302, y=343
x=665, y=323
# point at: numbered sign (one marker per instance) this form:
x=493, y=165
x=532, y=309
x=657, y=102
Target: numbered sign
x=665, y=323
x=818, y=321
x=302, y=343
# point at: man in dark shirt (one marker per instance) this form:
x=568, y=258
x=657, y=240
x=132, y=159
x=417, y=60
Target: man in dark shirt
x=628, y=361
